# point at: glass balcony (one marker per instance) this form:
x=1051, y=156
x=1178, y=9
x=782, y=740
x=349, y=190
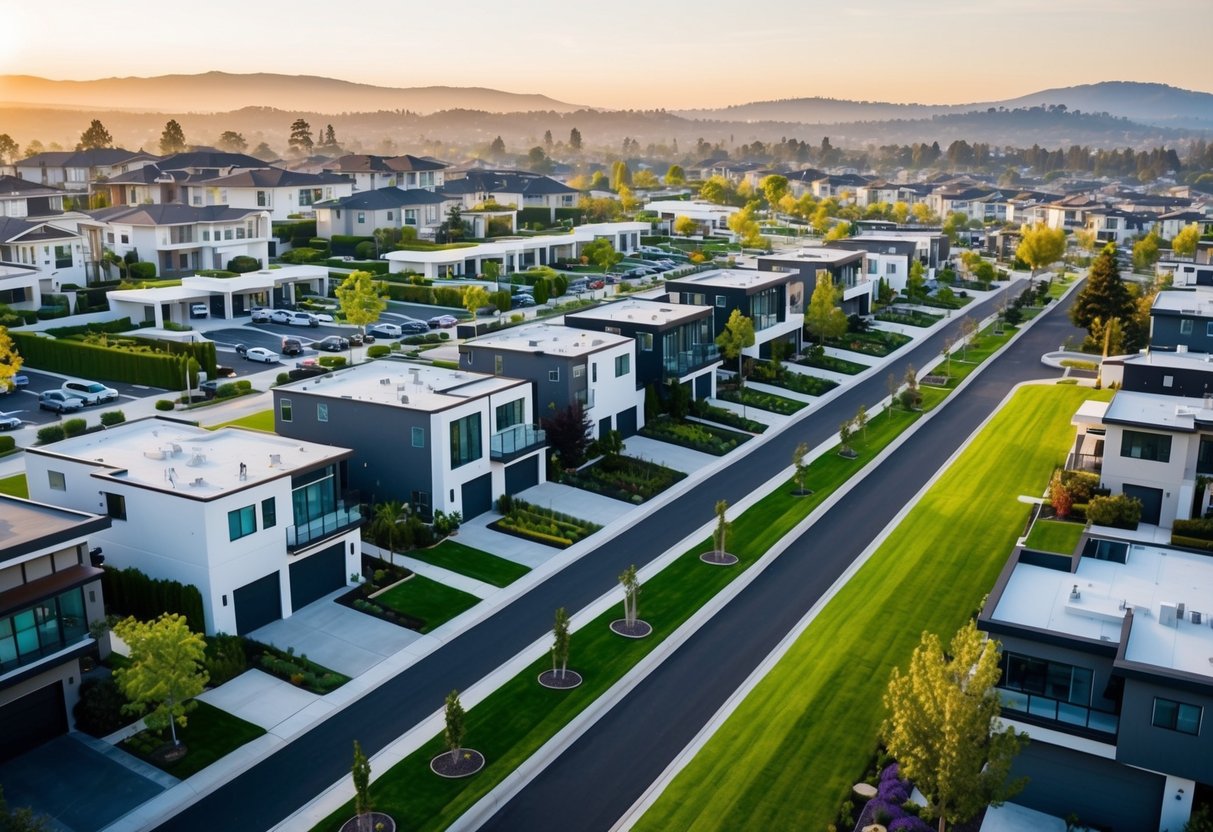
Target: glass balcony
x=346, y=516
x=1044, y=709
x=687, y=361
x=515, y=441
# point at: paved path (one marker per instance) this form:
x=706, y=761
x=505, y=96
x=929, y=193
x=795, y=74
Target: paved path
x=269, y=791
x=642, y=734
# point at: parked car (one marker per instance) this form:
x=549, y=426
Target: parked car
x=443, y=321
x=209, y=387
x=611, y=279
x=302, y=319
x=280, y=316
x=412, y=326
x=597, y=283
x=292, y=346
x=90, y=392
x=19, y=380
x=578, y=286
x=322, y=317
x=199, y=310
x=521, y=299
x=261, y=354
x=332, y=343
x=59, y=402
x=358, y=339
x=261, y=315
x=10, y=421
x=385, y=330
x=651, y=250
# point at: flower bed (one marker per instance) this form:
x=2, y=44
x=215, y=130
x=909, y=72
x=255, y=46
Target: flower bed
x=542, y=525
x=298, y=670
x=911, y=317
x=829, y=362
x=624, y=478
x=724, y=416
x=694, y=435
x=778, y=375
x=874, y=343
x=763, y=401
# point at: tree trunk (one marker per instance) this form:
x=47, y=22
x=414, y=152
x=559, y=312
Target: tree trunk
x=172, y=724
x=564, y=667
x=455, y=760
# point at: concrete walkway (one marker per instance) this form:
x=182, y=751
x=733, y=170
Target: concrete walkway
x=851, y=355
x=259, y=698
x=668, y=454
x=775, y=420
x=428, y=570
x=577, y=501
x=477, y=534
x=829, y=375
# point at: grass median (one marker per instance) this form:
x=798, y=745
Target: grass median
x=787, y=756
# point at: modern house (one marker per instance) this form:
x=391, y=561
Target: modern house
x=76, y=170
x=261, y=524
x=565, y=365
x=179, y=239
x=847, y=269
x=437, y=439
x=1112, y=225
x=1183, y=320
x=773, y=301
x=675, y=342
x=360, y=213
x=53, y=249
x=50, y=592
x=370, y=173
x=708, y=217
x=20, y=286
x=888, y=258
x=280, y=192
x=520, y=189
x=1106, y=667
x=931, y=246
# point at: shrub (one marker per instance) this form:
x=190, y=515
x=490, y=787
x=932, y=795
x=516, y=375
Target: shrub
x=333, y=361
x=226, y=391
x=1120, y=511
x=282, y=378
x=302, y=255
x=164, y=404
x=1080, y=484
x=1200, y=528
x=365, y=250
x=74, y=427
x=7, y=443
x=244, y=385
x=99, y=711
x=142, y=271
x=131, y=592
x=242, y=263
x=112, y=417
x=378, y=350
x=225, y=658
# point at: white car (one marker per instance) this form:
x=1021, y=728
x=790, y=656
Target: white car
x=199, y=310
x=281, y=316
x=10, y=421
x=384, y=330
x=303, y=319
x=90, y=392
x=261, y=315
x=261, y=354
x=323, y=317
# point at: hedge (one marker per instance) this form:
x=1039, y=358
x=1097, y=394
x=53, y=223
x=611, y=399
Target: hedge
x=131, y=592
x=298, y=232
x=318, y=243
x=1191, y=542
x=142, y=271
x=110, y=327
x=451, y=296
x=372, y=266
x=50, y=433
x=1199, y=527
x=74, y=358
x=7, y=443
x=526, y=216
x=344, y=244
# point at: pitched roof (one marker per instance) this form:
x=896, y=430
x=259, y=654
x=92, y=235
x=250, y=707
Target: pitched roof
x=170, y=214
x=383, y=199
x=276, y=178
x=366, y=163
x=84, y=158
x=147, y=175
x=209, y=159
x=16, y=186
x=506, y=181
x=30, y=231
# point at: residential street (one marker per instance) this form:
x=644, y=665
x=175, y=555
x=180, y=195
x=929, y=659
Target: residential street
x=275, y=787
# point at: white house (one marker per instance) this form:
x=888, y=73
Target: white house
x=520, y=189
x=359, y=214
x=708, y=217
x=20, y=286
x=773, y=301
x=258, y=523
x=75, y=170
x=280, y=192
x=55, y=251
x=370, y=173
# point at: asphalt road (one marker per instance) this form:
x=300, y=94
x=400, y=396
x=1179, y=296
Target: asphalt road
x=608, y=768
x=275, y=787
x=23, y=401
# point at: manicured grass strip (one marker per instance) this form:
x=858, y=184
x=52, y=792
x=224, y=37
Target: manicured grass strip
x=209, y=735
x=471, y=562
x=432, y=602
x=15, y=486
x=787, y=756
x=261, y=420
x=624, y=478
x=911, y=317
x=1054, y=536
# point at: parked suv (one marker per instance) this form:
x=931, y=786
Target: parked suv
x=59, y=402
x=199, y=310
x=90, y=392
x=332, y=343
x=292, y=346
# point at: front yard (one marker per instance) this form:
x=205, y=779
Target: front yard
x=763, y=401
x=471, y=562
x=1054, y=536
x=428, y=602
x=875, y=342
x=209, y=735
x=694, y=435
x=542, y=525
x=624, y=478
x=768, y=372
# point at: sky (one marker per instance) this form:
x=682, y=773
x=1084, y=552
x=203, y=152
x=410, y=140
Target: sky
x=636, y=53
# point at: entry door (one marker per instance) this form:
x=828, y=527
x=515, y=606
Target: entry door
x=1151, y=502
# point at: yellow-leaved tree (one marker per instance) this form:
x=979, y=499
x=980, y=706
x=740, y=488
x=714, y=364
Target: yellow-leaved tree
x=361, y=303
x=10, y=359
x=166, y=670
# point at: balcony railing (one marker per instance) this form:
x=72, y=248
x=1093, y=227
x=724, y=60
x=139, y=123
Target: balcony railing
x=346, y=516
x=1086, y=462
x=1052, y=710
x=686, y=361
x=515, y=441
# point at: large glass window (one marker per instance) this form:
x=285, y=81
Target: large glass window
x=115, y=506
x=622, y=365
x=284, y=409
x=56, y=481
x=241, y=522
x=1154, y=447
x=1177, y=716
x=465, y=440
x=510, y=414
x=314, y=495
x=1055, y=680
x=1204, y=456
x=269, y=513
x=764, y=308
x=47, y=627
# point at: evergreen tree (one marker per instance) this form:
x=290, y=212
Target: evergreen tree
x=1105, y=295
x=232, y=142
x=172, y=140
x=575, y=139
x=96, y=136
x=301, y=137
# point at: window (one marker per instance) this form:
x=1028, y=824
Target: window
x=126, y=238
x=56, y=481
x=645, y=341
x=1168, y=381
x=115, y=506
x=498, y=365
x=206, y=235
x=305, y=196
x=1185, y=326
x=269, y=513
x=1177, y=716
x=322, y=412
x=314, y=494
x=391, y=215
x=418, y=437
x=613, y=330
x=361, y=217
x=721, y=301
x=1153, y=447
x=622, y=365
x=579, y=371
x=284, y=409
x=1209, y=328
x=510, y=414
x=594, y=372
x=465, y=440
x=891, y=268
x=262, y=199
x=241, y=522
x=554, y=375
x=1053, y=680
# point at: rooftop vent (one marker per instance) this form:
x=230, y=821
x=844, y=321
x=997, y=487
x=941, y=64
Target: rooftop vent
x=196, y=459
x=275, y=459
x=176, y=449
x=156, y=454
x=404, y=399
x=1166, y=614
x=1195, y=616
x=1074, y=593
x=385, y=381
x=198, y=482
x=533, y=343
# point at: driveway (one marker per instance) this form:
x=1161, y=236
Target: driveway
x=80, y=783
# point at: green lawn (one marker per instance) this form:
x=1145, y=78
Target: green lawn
x=432, y=602
x=471, y=562
x=14, y=486
x=261, y=420
x=210, y=734
x=1055, y=536
x=787, y=756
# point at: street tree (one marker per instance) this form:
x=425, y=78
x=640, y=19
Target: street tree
x=172, y=140
x=1184, y=243
x=568, y=433
x=984, y=272
x=10, y=359
x=845, y=433
x=1145, y=252
x=455, y=725
x=166, y=670
x=968, y=335
x=232, y=142
x=949, y=342
x=560, y=642
x=738, y=333
x=801, y=469
x=8, y=148
x=1040, y=246
x=824, y=319
x=300, y=141
x=675, y=175
x=631, y=592
x=892, y=385
x=861, y=421
x=685, y=226
x=720, y=534
x=1104, y=295
x=475, y=297
x=601, y=253
x=360, y=772
x=943, y=726
x=360, y=301
x=96, y=136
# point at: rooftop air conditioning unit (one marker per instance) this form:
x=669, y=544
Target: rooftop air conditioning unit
x=197, y=483
x=275, y=459
x=1166, y=614
x=385, y=381
x=404, y=399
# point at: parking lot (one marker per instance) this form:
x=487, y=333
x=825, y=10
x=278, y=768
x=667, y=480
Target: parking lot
x=23, y=401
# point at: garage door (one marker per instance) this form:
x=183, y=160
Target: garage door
x=317, y=575
x=257, y=604
x=477, y=496
x=1151, y=502
x=625, y=422
x=522, y=475
x=32, y=720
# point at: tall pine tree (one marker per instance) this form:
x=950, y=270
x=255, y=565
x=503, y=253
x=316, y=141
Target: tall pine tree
x=1105, y=295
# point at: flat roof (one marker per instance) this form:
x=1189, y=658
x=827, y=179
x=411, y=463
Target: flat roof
x=635, y=310
x=1154, y=410
x=816, y=254
x=26, y=526
x=732, y=279
x=1036, y=596
x=168, y=456
x=403, y=384
x=1185, y=303
x=548, y=339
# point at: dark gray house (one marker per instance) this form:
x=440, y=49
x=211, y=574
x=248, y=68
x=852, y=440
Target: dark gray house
x=1106, y=665
x=1182, y=320
x=674, y=341
x=846, y=268
x=774, y=301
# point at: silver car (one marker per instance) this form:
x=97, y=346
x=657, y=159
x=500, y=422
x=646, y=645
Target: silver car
x=90, y=392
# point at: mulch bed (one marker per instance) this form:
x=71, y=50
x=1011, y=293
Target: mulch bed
x=370, y=821
x=802, y=492
x=638, y=629
x=552, y=679
x=466, y=764
x=718, y=558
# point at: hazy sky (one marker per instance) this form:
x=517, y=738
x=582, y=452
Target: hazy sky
x=635, y=53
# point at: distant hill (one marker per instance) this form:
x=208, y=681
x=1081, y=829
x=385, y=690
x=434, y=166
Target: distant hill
x=1154, y=104
x=222, y=92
